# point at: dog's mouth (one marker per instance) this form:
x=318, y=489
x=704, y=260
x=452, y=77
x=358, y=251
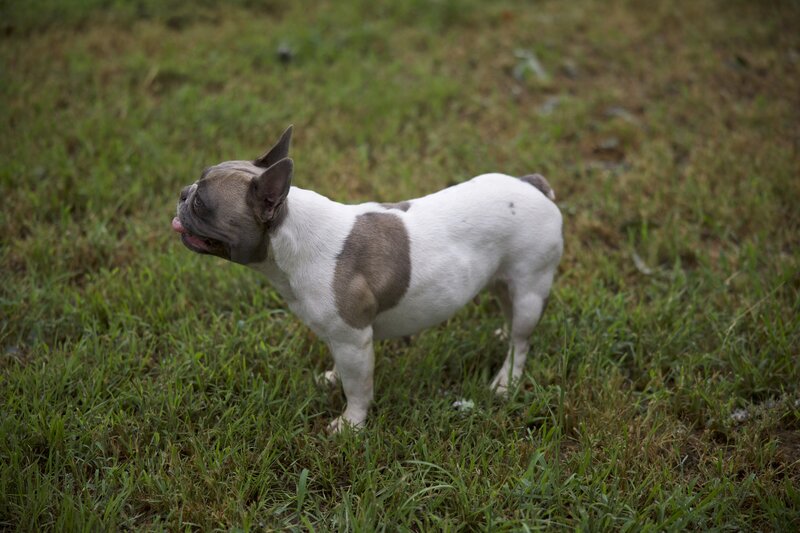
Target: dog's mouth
x=196, y=243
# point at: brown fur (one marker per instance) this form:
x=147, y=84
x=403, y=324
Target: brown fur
x=538, y=181
x=402, y=206
x=373, y=270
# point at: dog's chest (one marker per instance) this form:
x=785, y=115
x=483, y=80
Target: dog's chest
x=278, y=278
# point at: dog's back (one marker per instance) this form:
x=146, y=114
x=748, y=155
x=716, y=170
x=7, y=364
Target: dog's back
x=492, y=215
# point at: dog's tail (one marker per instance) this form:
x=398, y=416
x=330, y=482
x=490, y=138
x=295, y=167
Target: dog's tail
x=538, y=181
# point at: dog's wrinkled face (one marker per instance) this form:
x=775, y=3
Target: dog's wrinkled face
x=213, y=216
x=234, y=206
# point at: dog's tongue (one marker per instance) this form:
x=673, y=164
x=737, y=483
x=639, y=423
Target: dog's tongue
x=177, y=226
x=197, y=242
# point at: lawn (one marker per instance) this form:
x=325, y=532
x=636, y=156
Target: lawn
x=145, y=387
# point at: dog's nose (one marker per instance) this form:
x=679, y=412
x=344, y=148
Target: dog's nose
x=185, y=193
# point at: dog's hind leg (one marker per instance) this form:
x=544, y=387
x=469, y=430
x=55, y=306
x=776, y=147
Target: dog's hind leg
x=528, y=301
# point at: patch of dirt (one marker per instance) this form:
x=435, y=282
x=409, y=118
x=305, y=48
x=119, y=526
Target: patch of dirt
x=788, y=452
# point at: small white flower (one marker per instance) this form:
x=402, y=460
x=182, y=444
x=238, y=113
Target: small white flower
x=464, y=405
x=740, y=415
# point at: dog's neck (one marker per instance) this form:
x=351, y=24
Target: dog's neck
x=314, y=227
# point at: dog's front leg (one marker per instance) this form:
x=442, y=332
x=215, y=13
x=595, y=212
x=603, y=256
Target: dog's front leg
x=355, y=363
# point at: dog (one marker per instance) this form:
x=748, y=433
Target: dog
x=358, y=273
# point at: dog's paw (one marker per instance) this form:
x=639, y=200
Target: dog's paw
x=341, y=424
x=327, y=379
x=501, y=334
x=500, y=389
x=501, y=385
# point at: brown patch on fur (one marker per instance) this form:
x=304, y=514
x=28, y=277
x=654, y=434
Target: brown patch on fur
x=538, y=181
x=402, y=206
x=373, y=270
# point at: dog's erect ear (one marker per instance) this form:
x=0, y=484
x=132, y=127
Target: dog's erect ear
x=277, y=152
x=268, y=191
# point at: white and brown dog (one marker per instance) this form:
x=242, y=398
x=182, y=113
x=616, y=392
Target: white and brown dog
x=356, y=273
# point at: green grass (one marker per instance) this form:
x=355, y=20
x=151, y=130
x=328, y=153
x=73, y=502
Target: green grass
x=145, y=387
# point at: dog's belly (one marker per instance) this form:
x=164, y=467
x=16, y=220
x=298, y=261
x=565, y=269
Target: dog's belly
x=447, y=281
x=413, y=317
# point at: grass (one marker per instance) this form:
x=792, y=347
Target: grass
x=144, y=387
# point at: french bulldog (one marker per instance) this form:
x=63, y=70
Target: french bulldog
x=359, y=273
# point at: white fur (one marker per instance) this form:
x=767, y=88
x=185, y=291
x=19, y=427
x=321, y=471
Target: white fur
x=493, y=228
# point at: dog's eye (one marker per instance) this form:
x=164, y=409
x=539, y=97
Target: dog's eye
x=197, y=203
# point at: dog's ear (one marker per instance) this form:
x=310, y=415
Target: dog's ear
x=277, y=152
x=268, y=191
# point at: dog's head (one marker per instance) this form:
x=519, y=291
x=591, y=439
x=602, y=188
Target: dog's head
x=235, y=205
